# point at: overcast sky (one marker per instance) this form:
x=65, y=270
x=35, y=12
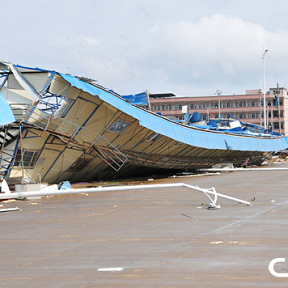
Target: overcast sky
x=189, y=47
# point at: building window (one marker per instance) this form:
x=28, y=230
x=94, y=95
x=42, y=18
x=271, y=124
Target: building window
x=30, y=158
x=253, y=115
x=240, y=104
x=244, y=104
x=163, y=107
x=236, y=104
x=118, y=126
x=240, y=116
x=167, y=107
x=253, y=104
x=203, y=105
x=158, y=108
x=195, y=106
x=155, y=108
x=276, y=125
x=180, y=107
x=191, y=106
x=228, y=105
x=170, y=107
x=153, y=137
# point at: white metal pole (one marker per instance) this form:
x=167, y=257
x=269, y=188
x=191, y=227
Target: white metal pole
x=113, y=189
x=240, y=169
x=218, y=195
x=264, y=92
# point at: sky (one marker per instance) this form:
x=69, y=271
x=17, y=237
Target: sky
x=187, y=47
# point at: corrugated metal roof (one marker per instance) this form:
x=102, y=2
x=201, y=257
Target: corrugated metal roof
x=178, y=132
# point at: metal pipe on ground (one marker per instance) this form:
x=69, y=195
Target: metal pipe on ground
x=120, y=188
x=240, y=169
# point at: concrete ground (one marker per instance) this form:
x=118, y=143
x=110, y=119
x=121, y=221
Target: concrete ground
x=160, y=237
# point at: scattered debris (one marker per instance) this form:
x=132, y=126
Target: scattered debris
x=112, y=269
x=64, y=185
x=221, y=242
x=223, y=166
x=242, y=169
x=186, y=216
x=151, y=179
x=196, y=175
x=10, y=209
x=8, y=201
x=4, y=188
x=213, y=206
x=272, y=201
x=216, y=242
x=33, y=203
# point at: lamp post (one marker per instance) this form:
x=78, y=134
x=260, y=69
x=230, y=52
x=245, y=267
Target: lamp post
x=264, y=93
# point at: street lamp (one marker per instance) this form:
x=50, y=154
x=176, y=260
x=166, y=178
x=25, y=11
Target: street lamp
x=264, y=93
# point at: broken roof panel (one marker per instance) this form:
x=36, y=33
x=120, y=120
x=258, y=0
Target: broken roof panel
x=6, y=114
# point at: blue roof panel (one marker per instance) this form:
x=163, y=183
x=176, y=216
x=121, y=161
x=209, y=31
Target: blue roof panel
x=6, y=114
x=178, y=132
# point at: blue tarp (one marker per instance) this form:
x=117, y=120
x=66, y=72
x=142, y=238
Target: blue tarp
x=6, y=114
x=196, y=117
x=178, y=132
x=65, y=185
x=137, y=99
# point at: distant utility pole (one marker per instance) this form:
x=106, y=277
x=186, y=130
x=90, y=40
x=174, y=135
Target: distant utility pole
x=148, y=99
x=260, y=106
x=264, y=92
x=218, y=92
x=278, y=104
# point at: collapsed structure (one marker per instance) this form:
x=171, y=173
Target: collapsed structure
x=60, y=127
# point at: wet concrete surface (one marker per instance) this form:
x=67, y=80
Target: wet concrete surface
x=160, y=237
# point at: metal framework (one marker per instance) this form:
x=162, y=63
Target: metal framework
x=82, y=132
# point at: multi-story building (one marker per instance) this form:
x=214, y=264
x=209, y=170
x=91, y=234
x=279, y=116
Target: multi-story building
x=247, y=108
